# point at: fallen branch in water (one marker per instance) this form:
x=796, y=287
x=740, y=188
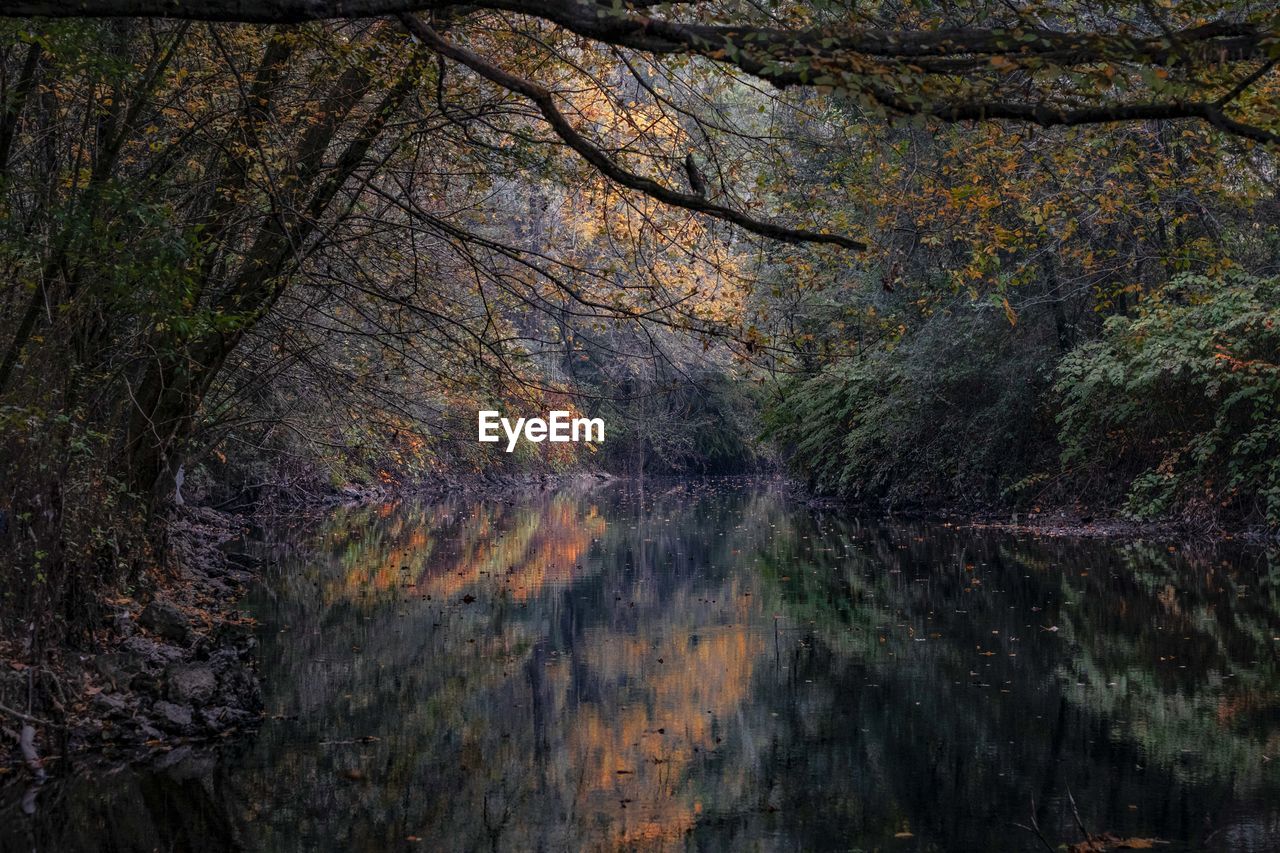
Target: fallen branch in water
x=1034, y=828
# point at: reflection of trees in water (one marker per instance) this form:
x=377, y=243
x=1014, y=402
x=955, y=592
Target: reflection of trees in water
x=645, y=670
x=520, y=709
x=1190, y=649
x=526, y=703
x=984, y=697
x=189, y=806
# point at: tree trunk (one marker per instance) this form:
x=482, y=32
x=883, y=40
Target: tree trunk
x=174, y=388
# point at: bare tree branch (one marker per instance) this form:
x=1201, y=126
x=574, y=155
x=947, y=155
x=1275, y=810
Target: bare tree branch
x=601, y=161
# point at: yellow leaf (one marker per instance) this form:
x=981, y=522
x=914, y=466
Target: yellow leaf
x=1009, y=313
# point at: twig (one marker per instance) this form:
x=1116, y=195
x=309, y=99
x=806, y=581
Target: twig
x=1035, y=828
x=28, y=718
x=1075, y=812
x=1248, y=81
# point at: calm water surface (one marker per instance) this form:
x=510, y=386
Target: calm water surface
x=712, y=667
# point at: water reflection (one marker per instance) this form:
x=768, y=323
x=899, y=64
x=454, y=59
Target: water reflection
x=710, y=667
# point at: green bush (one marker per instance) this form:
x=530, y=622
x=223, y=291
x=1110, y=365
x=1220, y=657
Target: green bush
x=951, y=414
x=1180, y=404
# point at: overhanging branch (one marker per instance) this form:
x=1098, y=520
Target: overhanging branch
x=597, y=158
x=839, y=55
x=1046, y=115
x=631, y=25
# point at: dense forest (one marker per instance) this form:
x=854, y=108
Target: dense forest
x=987, y=256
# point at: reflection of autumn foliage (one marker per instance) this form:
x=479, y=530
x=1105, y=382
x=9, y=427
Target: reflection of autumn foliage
x=634, y=745
x=561, y=541
x=373, y=566
x=639, y=747
x=526, y=549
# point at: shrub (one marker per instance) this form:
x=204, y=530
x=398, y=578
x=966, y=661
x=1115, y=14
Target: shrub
x=1181, y=403
x=951, y=414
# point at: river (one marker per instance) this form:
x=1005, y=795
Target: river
x=712, y=666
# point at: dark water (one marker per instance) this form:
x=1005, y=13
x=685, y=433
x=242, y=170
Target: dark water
x=713, y=668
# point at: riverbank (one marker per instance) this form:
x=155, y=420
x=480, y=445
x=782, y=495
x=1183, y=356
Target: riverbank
x=171, y=662
x=1065, y=524
x=1052, y=522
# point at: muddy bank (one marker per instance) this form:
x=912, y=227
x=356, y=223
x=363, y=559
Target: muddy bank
x=1069, y=521
x=172, y=663
x=1065, y=523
